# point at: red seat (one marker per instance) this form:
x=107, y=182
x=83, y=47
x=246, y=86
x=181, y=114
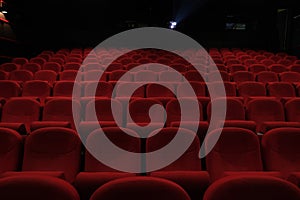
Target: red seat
x=264, y=110
x=72, y=66
x=95, y=75
x=145, y=75
x=169, y=76
x=194, y=75
x=199, y=89
x=252, y=187
x=251, y=89
x=56, y=67
x=36, y=188
x=38, y=60
x=65, y=89
x=290, y=77
x=278, y=68
x=295, y=67
x=9, y=89
x=20, y=61
x=230, y=88
x=140, y=188
x=179, y=67
x=8, y=67
x=3, y=75
x=32, y=67
x=117, y=74
x=21, y=75
x=58, y=60
x=10, y=148
x=215, y=76
x=237, y=150
x=292, y=110
x=281, y=89
x=46, y=75
x=92, y=66
x=69, y=75
x=40, y=89
x=21, y=110
x=265, y=77
x=160, y=92
x=285, y=62
x=242, y=76
x=256, y=68
x=96, y=173
x=237, y=67
x=267, y=62
x=280, y=148
x=101, y=89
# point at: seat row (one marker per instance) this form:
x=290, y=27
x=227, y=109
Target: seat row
x=257, y=114
x=56, y=152
x=42, y=89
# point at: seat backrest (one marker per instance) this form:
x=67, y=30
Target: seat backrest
x=156, y=90
x=53, y=149
x=188, y=161
x=290, y=77
x=36, y=88
x=278, y=68
x=264, y=109
x=147, y=188
x=125, y=139
x=46, y=75
x=69, y=75
x=33, y=67
x=21, y=75
x=101, y=89
x=281, y=89
x=199, y=89
x=194, y=75
x=65, y=88
x=242, y=76
x=256, y=68
x=266, y=76
x=36, y=187
x=21, y=110
x=252, y=187
x=237, y=149
x=10, y=150
x=12, y=89
x=54, y=66
x=169, y=76
x=250, y=89
x=9, y=67
x=292, y=110
x=72, y=66
x=145, y=75
x=280, y=149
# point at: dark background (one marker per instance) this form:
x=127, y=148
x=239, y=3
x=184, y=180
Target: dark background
x=48, y=24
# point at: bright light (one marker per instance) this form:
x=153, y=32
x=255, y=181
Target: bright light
x=173, y=24
x=4, y=12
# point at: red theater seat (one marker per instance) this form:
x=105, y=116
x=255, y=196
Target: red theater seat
x=236, y=151
x=96, y=173
x=36, y=88
x=65, y=89
x=8, y=67
x=281, y=89
x=70, y=75
x=280, y=150
x=10, y=150
x=38, y=60
x=36, y=188
x=56, y=67
x=237, y=68
x=256, y=68
x=252, y=187
x=21, y=75
x=72, y=66
x=32, y=67
x=265, y=77
x=20, y=61
x=242, y=76
x=214, y=76
x=290, y=77
x=295, y=67
x=251, y=89
x=46, y=75
x=278, y=68
x=134, y=188
x=160, y=92
x=194, y=75
x=169, y=76
x=9, y=89
x=292, y=110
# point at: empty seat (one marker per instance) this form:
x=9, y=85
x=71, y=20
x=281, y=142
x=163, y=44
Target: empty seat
x=277, y=68
x=3, y=75
x=65, y=89
x=57, y=60
x=36, y=88
x=264, y=110
x=38, y=60
x=9, y=89
x=290, y=77
x=179, y=67
x=237, y=67
x=10, y=148
x=242, y=76
x=295, y=67
x=249, y=62
x=72, y=66
x=94, y=75
x=116, y=75
x=21, y=110
x=285, y=62
x=92, y=66
x=104, y=115
x=267, y=62
x=281, y=89
x=123, y=89
x=46, y=75
x=292, y=110
x=237, y=150
x=256, y=68
x=251, y=89
x=8, y=67
x=69, y=75
x=232, y=62
x=56, y=67
x=252, y=187
x=20, y=61
x=140, y=188
x=98, y=89
x=96, y=173
x=145, y=75
x=52, y=149
x=114, y=66
x=280, y=148
x=33, y=67
x=265, y=77
x=194, y=75
x=59, y=112
x=215, y=76
x=36, y=187
x=139, y=113
x=199, y=89
x=21, y=75
x=169, y=76
x=162, y=93
x=230, y=88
